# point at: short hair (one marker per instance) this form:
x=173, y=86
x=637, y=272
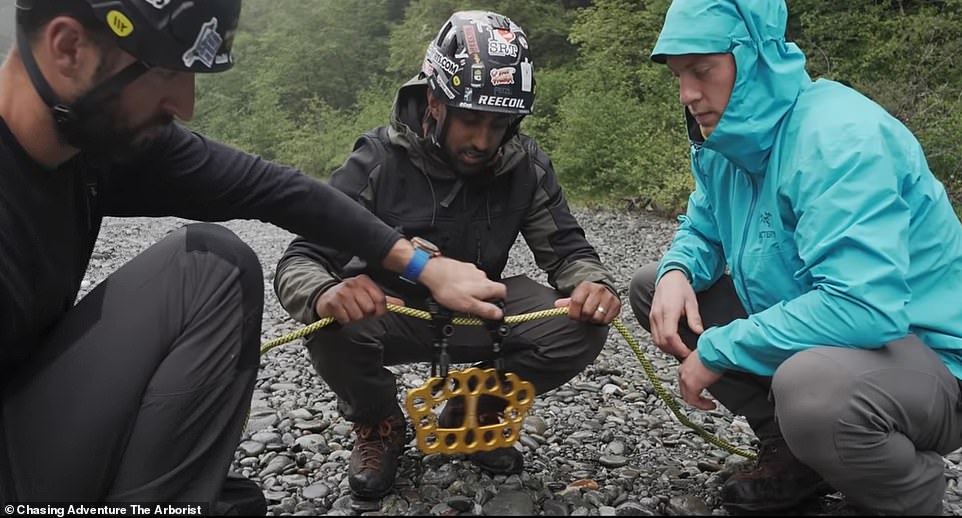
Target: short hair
x=32, y=15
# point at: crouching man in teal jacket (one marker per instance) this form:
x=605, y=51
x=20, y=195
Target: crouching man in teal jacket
x=814, y=282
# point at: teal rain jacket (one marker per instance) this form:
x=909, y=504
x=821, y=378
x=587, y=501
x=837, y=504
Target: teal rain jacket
x=819, y=202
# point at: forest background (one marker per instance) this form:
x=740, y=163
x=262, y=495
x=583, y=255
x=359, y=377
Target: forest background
x=312, y=75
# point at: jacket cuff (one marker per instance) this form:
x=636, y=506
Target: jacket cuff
x=317, y=294
x=672, y=265
x=709, y=355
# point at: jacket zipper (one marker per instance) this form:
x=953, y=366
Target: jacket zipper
x=744, y=244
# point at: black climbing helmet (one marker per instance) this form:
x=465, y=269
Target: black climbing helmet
x=183, y=35
x=480, y=60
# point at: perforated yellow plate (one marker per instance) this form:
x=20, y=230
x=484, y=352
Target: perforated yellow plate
x=470, y=384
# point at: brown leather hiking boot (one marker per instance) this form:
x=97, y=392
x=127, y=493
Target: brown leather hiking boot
x=778, y=482
x=502, y=461
x=374, y=458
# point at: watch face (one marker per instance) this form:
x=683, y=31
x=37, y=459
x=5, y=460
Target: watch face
x=425, y=245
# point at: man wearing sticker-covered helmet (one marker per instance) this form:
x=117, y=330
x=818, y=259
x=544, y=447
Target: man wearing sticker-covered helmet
x=139, y=391
x=453, y=173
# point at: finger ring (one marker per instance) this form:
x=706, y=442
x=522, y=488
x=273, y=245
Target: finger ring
x=601, y=310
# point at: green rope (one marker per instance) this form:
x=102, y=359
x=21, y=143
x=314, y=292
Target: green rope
x=669, y=400
x=660, y=389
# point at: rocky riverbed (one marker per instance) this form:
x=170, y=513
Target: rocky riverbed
x=603, y=444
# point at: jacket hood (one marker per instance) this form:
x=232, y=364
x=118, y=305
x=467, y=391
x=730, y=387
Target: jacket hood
x=405, y=130
x=770, y=72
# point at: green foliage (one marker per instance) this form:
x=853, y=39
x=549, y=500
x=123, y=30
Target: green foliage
x=905, y=55
x=546, y=23
x=323, y=51
x=342, y=128
x=409, y=40
x=603, y=150
x=554, y=84
x=244, y=108
x=312, y=75
x=618, y=132
x=303, y=68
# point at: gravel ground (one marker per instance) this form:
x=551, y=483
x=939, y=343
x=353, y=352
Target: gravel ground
x=603, y=444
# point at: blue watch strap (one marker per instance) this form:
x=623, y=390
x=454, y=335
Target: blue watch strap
x=413, y=270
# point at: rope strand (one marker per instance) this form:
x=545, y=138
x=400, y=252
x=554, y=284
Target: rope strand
x=646, y=365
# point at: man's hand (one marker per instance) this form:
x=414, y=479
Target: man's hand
x=693, y=379
x=591, y=302
x=674, y=298
x=354, y=299
x=462, y=287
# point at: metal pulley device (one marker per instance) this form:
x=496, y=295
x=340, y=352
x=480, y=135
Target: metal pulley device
x=470, y=385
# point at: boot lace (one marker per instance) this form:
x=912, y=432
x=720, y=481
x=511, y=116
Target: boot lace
x=374, y=440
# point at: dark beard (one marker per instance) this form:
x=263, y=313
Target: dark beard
x=102, y=138
x=485, y=168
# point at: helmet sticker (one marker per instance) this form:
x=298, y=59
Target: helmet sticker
x=496, y=100
x=205, y=46
x=500, y=48
x=502, y=76
x=443, y=62
x=505, y=35
x=158, y=4
x=470, y=39
x=442, y=82
x=526, y=74
x=477, y=75
x=480, y=60
x=500, y=44
x=119, y=23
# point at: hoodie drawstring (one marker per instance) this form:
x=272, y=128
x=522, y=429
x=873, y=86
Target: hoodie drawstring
x=434, y=199
x=446, y=202
x=487, y=206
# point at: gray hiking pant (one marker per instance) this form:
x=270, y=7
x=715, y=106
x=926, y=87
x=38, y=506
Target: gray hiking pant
x=546, y=352
x=140, y=393
x=874, y=423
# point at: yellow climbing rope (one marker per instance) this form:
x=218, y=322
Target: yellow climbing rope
x=416, y=313
x=660, y=389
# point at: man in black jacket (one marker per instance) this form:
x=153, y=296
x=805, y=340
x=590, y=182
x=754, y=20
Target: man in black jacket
x=139, y=391
x=452, y=173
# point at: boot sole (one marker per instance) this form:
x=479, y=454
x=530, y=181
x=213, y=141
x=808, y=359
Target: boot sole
x=371, y=496
x=769, y=508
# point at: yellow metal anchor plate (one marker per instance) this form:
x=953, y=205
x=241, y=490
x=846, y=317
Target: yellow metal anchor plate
x=471, y=436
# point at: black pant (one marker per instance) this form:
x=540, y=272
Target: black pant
x=141, y=391
x=741, y=393
x=546, y=352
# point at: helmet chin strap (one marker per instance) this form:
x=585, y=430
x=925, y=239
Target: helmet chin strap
x=512, y=129
x=439, y=131
x=69, y=118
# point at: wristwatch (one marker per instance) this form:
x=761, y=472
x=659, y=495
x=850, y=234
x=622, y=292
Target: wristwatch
x=423, y=250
